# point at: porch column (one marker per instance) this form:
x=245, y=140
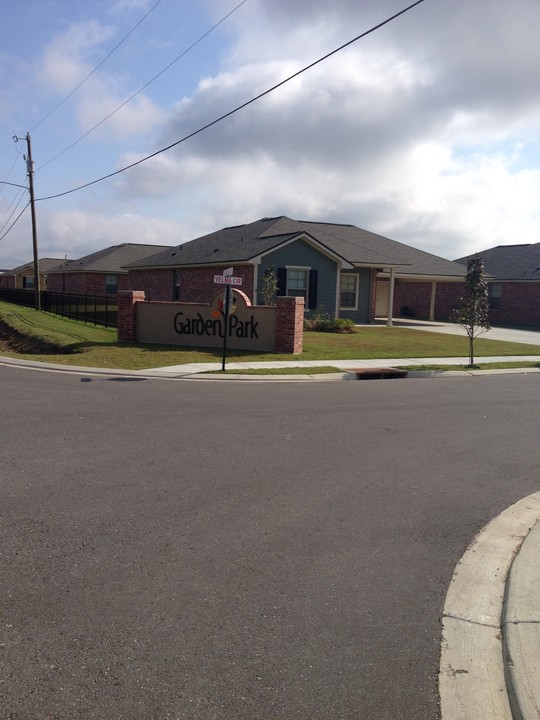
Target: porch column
x=390, y=299
x=432, y=301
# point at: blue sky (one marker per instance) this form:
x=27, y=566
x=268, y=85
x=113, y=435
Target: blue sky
x=425, y=131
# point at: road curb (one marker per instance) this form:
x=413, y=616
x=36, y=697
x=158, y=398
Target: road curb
x=187, y=372
x=472, y=675
x=521, y=629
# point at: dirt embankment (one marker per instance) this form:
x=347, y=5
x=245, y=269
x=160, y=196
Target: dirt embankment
x=11, y=339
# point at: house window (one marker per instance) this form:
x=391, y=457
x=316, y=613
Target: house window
x=348, y=291
x=28, y=282
x=495, y=292
x=111, y=284
x=297, y=283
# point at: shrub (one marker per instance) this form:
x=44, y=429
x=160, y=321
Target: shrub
x=317, y=323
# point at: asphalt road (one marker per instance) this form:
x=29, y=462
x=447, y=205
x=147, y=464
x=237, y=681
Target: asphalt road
x=215, y=550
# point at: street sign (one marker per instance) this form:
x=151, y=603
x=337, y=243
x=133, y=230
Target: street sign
x=227, y=280
x=228, y=272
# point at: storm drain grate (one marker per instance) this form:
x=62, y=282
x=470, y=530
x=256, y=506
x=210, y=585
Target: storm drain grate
x=378, y=373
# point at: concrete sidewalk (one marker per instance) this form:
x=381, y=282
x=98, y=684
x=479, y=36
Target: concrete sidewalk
x=212, y=371
x=490, y=651
x=531, y=337
x=194, y=368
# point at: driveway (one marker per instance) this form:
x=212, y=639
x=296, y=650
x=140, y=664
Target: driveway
x=496, y=333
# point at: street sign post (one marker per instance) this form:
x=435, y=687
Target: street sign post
x=226, y=279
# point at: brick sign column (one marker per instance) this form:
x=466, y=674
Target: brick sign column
x=289, y=324
x=127, y=302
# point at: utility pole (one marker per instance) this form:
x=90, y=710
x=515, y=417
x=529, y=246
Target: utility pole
x=30, y=170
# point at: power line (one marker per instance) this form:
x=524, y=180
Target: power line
x=144, y=86
x=13, y=165
x=17, y=198
x=238, y=108
x=96, y=67
x=16, y=219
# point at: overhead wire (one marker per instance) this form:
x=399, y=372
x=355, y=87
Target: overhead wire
x=236, y=109
x=115, y=48
x=15, y=221
x=17, y=198
x=144, y=86
x=200, y=39
x=19, y=153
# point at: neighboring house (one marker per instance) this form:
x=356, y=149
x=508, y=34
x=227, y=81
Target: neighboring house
x=101, y=272
x=514, y=285
x=22, y=277
x=341, y=270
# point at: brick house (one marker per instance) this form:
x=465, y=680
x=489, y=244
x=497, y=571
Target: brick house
x=339, y=269
x=101, y=272
x=22, y=277
x=514, y=283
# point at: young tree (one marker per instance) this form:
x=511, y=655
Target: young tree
x=472, y=313
x=269, y=286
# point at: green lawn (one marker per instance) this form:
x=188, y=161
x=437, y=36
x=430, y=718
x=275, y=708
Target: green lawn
x=83, y=344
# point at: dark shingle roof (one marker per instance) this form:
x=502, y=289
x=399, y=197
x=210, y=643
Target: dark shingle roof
x=45, y=264
x=510, y=262
x=109, y=260
x=242, y=243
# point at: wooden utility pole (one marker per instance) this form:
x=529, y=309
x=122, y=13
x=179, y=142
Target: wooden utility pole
x=30, y=170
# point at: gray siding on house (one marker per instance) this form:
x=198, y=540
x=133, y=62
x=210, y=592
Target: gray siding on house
x=361, y=314
x=301, y=254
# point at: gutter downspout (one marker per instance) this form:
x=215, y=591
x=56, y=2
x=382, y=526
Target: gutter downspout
x=255, y=282
x=432, y=301
x=338, y=288
x=390, y=298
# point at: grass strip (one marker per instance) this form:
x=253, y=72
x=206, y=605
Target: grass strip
x=304, y=370
x=477, y=366
x=77, y=343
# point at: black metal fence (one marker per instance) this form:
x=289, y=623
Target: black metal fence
x=97, y=309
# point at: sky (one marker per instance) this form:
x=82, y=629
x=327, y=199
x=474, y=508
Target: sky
x=426, y=130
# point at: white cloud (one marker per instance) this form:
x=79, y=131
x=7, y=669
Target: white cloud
x=63, y=65
x=69, y=60
x=426, y=130
x=122, y=5
x=76, y=233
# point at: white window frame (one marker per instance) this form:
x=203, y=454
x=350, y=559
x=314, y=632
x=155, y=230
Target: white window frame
x=29, y=282
x=356, y=285
x=306, y=270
